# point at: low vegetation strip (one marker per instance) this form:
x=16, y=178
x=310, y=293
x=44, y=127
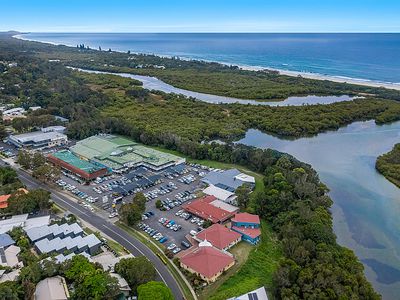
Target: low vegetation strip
x=389, y=165
x=257, y=271
x=186, y=290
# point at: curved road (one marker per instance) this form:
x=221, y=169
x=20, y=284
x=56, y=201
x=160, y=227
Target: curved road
x=116, y=233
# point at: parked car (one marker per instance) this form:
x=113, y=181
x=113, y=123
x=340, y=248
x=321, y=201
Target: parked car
x=185, y=244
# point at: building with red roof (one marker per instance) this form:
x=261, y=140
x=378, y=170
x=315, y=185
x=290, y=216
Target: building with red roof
x=207, y=262
x=4, y=201
x=246, y=219
x=219, y=236
x=4, y=198
x=204, y=208
x=248, y=225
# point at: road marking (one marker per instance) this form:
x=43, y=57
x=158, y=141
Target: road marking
x=84, y=213
x=133, y=247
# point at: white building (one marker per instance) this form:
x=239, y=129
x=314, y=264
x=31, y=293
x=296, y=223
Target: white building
x=52, y=288
x=33, y=108
x=55, y=128
x=221, y=194
x=45, y=138
x=23, y=221
x=14, y=111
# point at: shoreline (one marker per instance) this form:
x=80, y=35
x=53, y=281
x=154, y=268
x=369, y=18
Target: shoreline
x=307, y=75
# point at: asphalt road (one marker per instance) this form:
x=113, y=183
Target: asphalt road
x=119, y=235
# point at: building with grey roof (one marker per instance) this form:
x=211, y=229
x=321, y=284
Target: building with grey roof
x=47, y=137
x=23, y=221
x=60, y=258
x=258, y=294
x=53, y=231
x=90, y=244
x=228, y=180
x=6, y=240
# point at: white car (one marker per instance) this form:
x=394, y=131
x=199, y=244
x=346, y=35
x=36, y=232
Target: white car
x=113, y=215
x=172, y=246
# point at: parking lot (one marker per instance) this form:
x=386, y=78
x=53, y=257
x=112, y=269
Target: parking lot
x=173, y=189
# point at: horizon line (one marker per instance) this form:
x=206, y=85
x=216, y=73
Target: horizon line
x=211, y=32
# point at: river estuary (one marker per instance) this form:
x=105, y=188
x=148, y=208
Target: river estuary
x=366, y=206
x=153, y=83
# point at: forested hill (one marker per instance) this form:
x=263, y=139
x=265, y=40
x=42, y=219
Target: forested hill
x=389, y=165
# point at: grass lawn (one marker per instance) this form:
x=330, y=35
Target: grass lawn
x=241, y=252
x=257, y=271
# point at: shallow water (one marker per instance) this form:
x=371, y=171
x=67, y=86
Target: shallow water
x=366, y=206
x=153, y=83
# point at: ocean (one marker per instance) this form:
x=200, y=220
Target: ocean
x=369, y=57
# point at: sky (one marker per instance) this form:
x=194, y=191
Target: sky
x=200, y=15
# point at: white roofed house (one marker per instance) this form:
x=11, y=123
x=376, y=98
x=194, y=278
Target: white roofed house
x=52, y=288
x=9, y=256
x=14, y=111
x=45, y=138
x=221, y=194
x=122, y=284
x=23, y=221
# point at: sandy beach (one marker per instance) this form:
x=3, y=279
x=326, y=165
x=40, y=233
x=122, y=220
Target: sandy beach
x=364, y=82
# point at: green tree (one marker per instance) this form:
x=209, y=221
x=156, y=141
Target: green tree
x=78, y=268
x=3, y=132
x=243, y=195
x=154, y=290
x=136, y=271
x=130, y=214
x=98, y=285
x=24, y=159
x=140, y=201
x=159, y=204
x=11, y=290
x=20, y=203
x=46, y=173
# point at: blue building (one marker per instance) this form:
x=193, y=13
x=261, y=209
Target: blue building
x=248, y=226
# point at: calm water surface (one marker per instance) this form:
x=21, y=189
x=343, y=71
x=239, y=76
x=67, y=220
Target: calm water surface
x=153, y=83
x=366, y=206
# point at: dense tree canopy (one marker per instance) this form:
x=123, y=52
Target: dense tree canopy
x=154, y=290
x=389, y=165
x=315, y=267
x=35, y=200
x=136, y=271
x=9, y=181
x=37, y=163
